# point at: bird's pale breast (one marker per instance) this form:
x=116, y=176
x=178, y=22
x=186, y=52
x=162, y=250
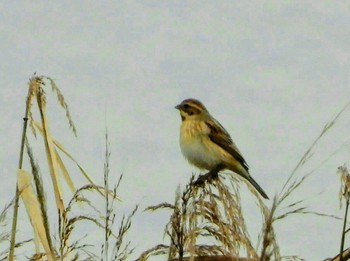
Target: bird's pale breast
x=197, y=147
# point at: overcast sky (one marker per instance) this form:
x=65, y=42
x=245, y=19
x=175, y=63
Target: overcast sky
x=272, y=72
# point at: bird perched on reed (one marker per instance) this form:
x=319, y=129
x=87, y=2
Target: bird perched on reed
x=206, y=144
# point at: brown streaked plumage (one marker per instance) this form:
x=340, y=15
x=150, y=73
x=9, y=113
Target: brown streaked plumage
x=206, y=144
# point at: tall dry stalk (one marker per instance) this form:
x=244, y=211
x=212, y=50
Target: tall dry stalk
x=109, y=218
x=15, y=207
x=121, y=249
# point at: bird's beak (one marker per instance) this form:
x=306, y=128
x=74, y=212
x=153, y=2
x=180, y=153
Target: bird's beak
x=178, y=107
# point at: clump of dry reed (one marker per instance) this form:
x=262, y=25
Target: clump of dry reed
x=211, y=213
x=34, y=204
x=31, y=191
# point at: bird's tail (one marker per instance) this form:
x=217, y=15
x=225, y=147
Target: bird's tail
x=256, y=186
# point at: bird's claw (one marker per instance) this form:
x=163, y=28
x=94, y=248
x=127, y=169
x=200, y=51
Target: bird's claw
x=211, y=175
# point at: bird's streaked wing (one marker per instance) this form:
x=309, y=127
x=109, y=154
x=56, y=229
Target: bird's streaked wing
x=220, y=137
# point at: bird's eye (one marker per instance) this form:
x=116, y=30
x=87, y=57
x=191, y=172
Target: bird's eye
x=186, y=106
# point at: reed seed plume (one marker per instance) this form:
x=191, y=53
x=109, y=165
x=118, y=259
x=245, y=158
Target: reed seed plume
x=63, y=104
x=36, y=90
x=115, y=246
x=69, y=222
x=280, y=209
x=211, y=213
x=309, y=152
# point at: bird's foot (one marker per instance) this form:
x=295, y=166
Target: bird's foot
x=211, y=175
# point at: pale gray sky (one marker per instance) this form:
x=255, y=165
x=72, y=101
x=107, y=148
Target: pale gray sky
x=272, y=72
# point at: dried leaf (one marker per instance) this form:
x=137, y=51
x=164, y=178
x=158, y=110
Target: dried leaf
x=65, y=173
x=33, y=209
x=63, y=149
x=50, y=153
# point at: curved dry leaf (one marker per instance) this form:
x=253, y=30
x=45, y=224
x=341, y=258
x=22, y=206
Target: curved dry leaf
x=33, y=209
x=51, y=155
x=65, y=173
x=82, y=170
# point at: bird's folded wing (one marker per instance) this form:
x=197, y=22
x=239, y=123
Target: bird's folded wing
x=220, y=137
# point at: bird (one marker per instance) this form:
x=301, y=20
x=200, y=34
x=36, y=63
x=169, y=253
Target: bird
x=206, y=144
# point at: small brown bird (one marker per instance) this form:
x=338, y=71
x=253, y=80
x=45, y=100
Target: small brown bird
x=206, y=144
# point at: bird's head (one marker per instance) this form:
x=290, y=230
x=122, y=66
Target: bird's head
x=191, y=109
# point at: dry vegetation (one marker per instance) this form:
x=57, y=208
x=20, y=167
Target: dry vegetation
x=206, y=222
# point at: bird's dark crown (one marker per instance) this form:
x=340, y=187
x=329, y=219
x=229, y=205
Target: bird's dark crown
x=191, y=106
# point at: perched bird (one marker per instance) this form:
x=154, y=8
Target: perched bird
x=206, y=144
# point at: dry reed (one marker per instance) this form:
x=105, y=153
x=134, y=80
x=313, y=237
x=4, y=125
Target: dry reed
x=35, y=200
x=202, y=213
